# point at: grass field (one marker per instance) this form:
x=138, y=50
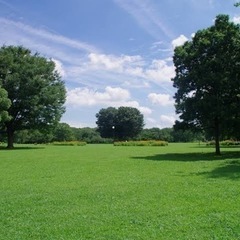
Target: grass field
x=181, y=191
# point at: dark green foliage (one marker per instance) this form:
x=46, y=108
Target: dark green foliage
x=165, y=134
x=63, y=132
x=33, y=136
x=5, y=103
x=171, y=135
x=122, y=123
x=89, y=135
x=208, y=80
x=34, y=87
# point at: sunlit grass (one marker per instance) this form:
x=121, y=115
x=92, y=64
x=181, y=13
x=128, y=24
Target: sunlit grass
x=181, y=191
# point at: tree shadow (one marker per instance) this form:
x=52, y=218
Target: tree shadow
x=4, y=148
x=229, y=168
x=190, y=157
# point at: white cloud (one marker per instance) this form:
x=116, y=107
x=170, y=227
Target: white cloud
x=179, y=41
x=131, y=69
x=161, y=99
x=41, y=33
x=111, y=62
x=59, y=67
x=47, y=43
x=87, y=97
x=160, y=71
x=114, y=97
x=167, y=121
x=236, y=19
x=82, y=63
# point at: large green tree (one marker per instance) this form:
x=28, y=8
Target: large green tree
x=5, y=103
x=208, y=79
x=34, y=87
x=122, y=123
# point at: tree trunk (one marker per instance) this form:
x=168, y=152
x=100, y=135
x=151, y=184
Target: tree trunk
x=217, y=137
x=10, y=136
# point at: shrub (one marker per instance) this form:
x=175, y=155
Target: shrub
x=225, y=143
x=141, y=143
x=69, y=143
x=230, y=143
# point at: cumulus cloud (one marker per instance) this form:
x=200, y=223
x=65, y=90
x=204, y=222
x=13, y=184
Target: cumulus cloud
x=236, y=19
x=111, y=62
x=88, y=97
x=167, y=121
x=114, y=97
x=160, y=71
x=59, y=67
x=161, y=99
x=179, y=41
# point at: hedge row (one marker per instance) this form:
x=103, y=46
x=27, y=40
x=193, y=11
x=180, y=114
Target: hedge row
x=225, y=143
x=141, y=143
x=69, y=143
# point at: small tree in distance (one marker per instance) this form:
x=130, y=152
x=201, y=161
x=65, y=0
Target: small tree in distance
x=121, y=124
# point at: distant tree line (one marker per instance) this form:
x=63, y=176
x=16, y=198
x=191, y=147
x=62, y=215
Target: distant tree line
x=64, y=132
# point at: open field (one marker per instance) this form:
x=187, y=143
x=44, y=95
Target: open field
x=181, y=191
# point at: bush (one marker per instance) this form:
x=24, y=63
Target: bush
x=230, y=143
x=141, y=143
x=225, y=143
x=69, y=143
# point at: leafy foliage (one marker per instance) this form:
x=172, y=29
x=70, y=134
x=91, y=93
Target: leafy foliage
x=34, y=87
x=5, y=103
x=207, y=79
x=122, y=123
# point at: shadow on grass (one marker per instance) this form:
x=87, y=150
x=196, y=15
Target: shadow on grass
x=190, y=157
x=229, y=168
x=3, y=148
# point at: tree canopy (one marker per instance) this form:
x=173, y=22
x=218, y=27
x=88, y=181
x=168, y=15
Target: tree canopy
x=34, y=87
x=122, y=123
x=208, y=79
x=5, y=103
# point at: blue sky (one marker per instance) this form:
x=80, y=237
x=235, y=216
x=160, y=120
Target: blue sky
x=111, y=52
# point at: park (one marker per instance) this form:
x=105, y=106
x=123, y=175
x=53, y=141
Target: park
x=127, y=182
x=101, y=191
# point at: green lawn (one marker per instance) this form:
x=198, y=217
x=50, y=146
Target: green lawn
x=181, y=191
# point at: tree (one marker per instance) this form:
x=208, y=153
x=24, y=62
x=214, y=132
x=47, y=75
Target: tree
x=34, y=87
x=89, y=135
x=5, y=103
x=208, y=79
x=122, y=123
x=32, y=136
x=63, y=132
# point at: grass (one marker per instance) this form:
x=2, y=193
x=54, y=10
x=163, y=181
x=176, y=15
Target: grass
x=181, y=191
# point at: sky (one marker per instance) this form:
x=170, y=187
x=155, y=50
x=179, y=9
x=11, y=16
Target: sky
x=111, y=53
